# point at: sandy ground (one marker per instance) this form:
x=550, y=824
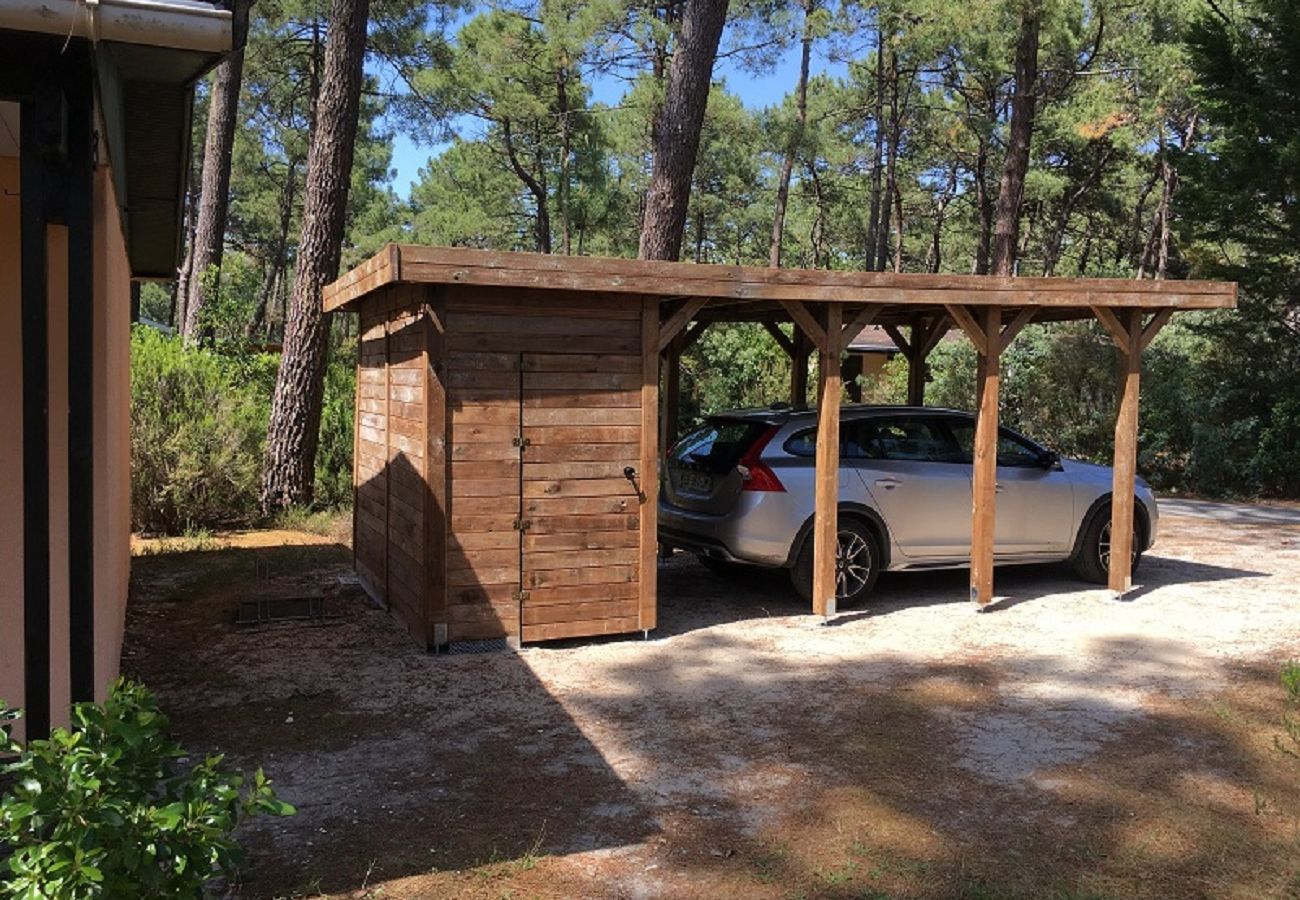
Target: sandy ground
x=1063, y=743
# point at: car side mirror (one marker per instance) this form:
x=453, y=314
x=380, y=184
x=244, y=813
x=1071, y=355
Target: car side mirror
x=1051, y=460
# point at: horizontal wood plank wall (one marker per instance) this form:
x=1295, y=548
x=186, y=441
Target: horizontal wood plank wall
x=563, y=373
x=483, y=492
x=370, y=465
x=407, y=446
x=437, y=462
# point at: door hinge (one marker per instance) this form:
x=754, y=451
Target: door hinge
x=521, y=596
x=521, y=442
x=522, y=524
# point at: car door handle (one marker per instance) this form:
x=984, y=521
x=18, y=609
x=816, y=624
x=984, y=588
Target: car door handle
x=888, y=483
x=997, y=487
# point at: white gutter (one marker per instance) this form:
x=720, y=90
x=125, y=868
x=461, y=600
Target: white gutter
x=175, y=24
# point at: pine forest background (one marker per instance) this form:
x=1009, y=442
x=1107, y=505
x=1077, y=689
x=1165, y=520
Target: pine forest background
x=1143, y=139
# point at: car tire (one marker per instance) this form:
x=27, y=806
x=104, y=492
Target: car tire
x=854, y=587
x=1092, y=562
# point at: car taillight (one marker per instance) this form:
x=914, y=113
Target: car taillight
x=755, y=475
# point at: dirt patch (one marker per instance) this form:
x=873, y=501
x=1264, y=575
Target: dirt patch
x=1065, y=744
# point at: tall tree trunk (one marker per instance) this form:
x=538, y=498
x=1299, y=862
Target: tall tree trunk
x=1006, y=228
x=676, y=136
x=878, y=154
x=1054, y=241
x=214, y=196
x=294, y=431
x=180, y=294
x=891, y=169
x=795, y=142
x=984, y=209
x=566, y=148
x=279, y=255
x=818, y=237
x=542, y=222
x=934, y=254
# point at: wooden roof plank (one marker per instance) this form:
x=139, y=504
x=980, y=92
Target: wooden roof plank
x=742, y=285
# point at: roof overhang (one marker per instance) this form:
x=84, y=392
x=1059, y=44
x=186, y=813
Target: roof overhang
x=739, y=293
x=147, y=55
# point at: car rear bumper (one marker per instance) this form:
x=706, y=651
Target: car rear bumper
x=749, y=534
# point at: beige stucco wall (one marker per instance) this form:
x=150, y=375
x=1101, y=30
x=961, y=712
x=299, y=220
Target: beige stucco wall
x=112, y=430
x=112, y=448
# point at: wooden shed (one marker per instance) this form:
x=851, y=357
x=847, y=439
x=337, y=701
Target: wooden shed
x=509, y=419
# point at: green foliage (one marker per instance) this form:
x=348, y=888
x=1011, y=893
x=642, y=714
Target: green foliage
x=1291, y=684
x=198, y=431
x=106, y=810
x=334, y=453
x=198, y=422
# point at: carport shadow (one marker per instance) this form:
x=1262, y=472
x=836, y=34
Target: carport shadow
x=1164, y=571
x=692, y=597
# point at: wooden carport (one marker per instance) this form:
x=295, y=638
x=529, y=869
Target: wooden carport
x=678, y=301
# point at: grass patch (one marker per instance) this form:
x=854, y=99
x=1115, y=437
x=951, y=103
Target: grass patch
x=331, y=522
x=195, y=541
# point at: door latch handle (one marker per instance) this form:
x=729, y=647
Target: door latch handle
x=629, y=472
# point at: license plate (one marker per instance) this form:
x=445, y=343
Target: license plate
x=696, y=482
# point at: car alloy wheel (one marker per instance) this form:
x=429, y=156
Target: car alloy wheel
x=853, y=564
x=1103, y=547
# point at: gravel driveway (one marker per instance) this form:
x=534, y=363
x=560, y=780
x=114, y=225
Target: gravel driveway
x=731, y=753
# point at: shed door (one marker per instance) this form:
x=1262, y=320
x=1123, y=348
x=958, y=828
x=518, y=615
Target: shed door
x=483, y=546
x=581, y=418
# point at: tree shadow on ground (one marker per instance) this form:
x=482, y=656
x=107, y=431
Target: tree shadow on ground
x=770, y=761
x=398, y=762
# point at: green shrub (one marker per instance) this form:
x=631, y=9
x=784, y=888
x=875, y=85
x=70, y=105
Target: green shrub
x=334, y=454
x=106, y=811
x=198, y=423
x=198, y=432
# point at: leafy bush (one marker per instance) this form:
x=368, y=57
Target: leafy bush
x=198, y=432
x=105, y=810
x=1290, y=684
x=334, y=454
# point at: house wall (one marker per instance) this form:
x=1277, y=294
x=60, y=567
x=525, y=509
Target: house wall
x=112, y=431
x=111, y=439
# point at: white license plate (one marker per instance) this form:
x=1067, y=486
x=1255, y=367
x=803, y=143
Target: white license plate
x=696, y=482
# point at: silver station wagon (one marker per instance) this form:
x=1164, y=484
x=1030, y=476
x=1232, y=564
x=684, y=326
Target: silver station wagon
x=740, y=489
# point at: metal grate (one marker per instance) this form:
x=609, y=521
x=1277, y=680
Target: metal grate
x=265, y=611
x=494, y=645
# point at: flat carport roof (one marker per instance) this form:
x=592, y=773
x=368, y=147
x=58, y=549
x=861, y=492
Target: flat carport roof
x=830, y=308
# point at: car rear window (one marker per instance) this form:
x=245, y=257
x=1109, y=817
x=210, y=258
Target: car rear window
x=717, y=446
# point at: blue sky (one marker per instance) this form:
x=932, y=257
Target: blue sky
x=756, y=91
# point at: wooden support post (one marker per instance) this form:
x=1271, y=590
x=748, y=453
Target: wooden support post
x=799, y=370
x=648, y=474
x=985, y=475
x=826, y=515
x=1120, y=579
